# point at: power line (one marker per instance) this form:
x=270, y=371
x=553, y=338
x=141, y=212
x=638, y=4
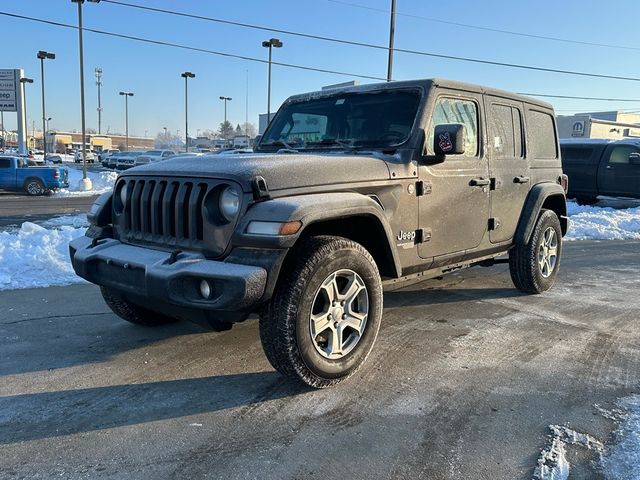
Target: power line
x=487, y=29
x=374, y=46
x=321, y=70
x=187, y=47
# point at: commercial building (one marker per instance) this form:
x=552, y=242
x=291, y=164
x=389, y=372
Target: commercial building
x=610, y=125
x=56, y=141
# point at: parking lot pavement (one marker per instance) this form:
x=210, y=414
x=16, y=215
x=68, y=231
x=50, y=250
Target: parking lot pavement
x=16, y=208
x=465, y=379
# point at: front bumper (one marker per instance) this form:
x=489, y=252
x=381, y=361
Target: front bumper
x=157, y=275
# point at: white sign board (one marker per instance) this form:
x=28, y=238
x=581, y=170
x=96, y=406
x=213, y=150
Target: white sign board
x=9, y=90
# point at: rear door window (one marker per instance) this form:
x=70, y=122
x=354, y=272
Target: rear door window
x=5, y=163
x=505, y=126
x=541, y=135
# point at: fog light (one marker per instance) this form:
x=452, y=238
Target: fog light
x=205, y=289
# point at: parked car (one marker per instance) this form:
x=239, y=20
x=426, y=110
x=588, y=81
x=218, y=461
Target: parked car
x=601, y=167
x=89, y=156
x=16, y=174
x=104, y=154
x=57, y=159
x=348, y=191
x=127, y=160
x=153, y=156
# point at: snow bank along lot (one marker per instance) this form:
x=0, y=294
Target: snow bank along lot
x=101, y=182
x=38, y=255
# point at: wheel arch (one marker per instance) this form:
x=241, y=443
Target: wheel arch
x=547, y=196
x=350, y=215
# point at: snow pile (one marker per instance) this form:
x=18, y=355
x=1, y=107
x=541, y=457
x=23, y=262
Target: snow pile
x=618, y=461
x=553, y=464
x=603, y=223
x=35, y=256
x=101, y=181
x=622, y=460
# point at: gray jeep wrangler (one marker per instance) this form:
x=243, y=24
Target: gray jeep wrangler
x=349, y=191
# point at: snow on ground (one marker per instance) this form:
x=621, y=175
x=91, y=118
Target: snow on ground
x=622, y=460
x=618, y=461
x=101, y=182
x=38, y=255
x=610, y=219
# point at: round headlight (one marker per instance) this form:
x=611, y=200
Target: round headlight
x=229, y=203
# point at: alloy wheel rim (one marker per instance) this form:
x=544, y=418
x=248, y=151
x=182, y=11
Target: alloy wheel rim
x=33, y=188
x=548, y=252
x=339, y=314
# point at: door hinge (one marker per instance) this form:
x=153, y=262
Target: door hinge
x=494, y=223
x=423, y=235
x=496, y=183
x=423, y=188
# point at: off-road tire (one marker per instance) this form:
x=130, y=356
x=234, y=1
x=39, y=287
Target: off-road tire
x=133, y=313
x=523, y=259
x=34, y=187
x=284, y=323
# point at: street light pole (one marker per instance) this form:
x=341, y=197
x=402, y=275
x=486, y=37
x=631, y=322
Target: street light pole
x=225, y=100
x=392, y=28
x=86, y=182
x=126, y=116
x=186, y=76
x=50, y=56
x=98, y=72
x=271, y=43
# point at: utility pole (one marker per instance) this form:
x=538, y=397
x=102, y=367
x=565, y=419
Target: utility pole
x=85, y=184
x=246, y=106
x=99, y=84
x=392, y=28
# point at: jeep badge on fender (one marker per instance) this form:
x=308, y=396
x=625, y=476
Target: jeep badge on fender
x=301, y=232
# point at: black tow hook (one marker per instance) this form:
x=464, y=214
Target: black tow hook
x=173, y=258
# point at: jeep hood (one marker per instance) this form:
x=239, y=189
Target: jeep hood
x=281, y=171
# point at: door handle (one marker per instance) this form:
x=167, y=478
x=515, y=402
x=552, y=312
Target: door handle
x=479, y=182
x=521, y=179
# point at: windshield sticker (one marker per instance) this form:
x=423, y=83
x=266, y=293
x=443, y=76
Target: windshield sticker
x=340, y=101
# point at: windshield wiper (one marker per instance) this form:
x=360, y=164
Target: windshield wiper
x=278, y=143
x=334, y=141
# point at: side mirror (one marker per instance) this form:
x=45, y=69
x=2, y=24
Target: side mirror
x=449, y=139
x=634, y=159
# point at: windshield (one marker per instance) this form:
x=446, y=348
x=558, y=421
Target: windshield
x=348, y=120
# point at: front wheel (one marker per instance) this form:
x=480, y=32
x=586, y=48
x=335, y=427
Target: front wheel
x=325, y=313
x=534, y=266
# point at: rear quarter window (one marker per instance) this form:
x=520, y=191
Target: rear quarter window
x=541, y=135
x=5, y=163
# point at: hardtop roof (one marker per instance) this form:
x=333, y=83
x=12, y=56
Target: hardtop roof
x=425, y=84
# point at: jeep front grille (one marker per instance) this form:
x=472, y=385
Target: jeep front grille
x=171, y=212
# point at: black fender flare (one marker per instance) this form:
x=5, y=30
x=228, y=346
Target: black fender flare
x=538, y=195
x=310, y=209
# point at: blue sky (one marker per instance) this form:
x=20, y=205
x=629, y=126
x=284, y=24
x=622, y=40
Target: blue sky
x=153, y=72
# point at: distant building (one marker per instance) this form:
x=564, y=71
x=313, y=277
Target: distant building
x=610, y=125
x=263, y=123
x=95, y=142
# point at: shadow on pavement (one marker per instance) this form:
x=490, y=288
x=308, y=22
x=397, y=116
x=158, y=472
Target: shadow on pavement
x=52, y=414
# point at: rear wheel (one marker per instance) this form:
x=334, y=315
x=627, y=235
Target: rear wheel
x=131, y=312
x=34, y=187
x=534, y=266
x=325, y=313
